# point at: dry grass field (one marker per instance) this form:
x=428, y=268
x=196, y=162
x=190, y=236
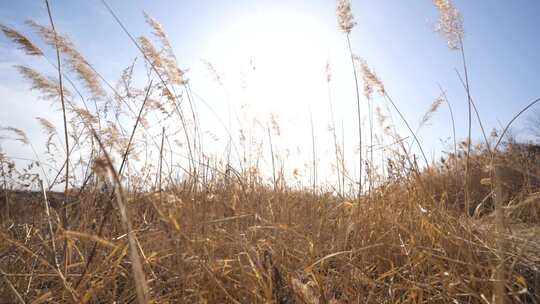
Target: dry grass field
x=112, y=225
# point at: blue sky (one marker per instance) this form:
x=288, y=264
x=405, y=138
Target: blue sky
x=284, y=46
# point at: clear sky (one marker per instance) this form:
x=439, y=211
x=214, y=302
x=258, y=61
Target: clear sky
x=271, y=57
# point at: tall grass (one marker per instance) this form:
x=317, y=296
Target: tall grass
x=145, y=228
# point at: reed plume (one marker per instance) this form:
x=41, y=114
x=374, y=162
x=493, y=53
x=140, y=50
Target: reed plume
x=21, y=135
x=370, y=78
x=49, y=88
x=150, y=52
x=159, y=33
x=344, y=15
x=22, y=41
x=163, y=64
x=212, y=69
x=427, y=116
x=50, y=131
x=167, y=58
x=432, y=109
x=46, y=125
x=450, y=23
x=87, y=117
x=74, y=59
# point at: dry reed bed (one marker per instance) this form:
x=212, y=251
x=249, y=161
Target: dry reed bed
x=407, y=234
x=255, y=245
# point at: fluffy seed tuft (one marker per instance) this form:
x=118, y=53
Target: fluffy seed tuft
x=450, y=23
x=344, y=16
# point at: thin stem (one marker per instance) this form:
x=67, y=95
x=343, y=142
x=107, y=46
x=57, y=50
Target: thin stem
x=359, y=115
x=314, y=153
x=371, y=166
x=408, y=127
x=12, y=288
x=343, y=172
x=488, y=146
x=49, y=222
x=124, y=158
x=336, y=145
x=453, y=129
x=160, y=162
x=452, y=119
x=66, y=137
x=512, y=121
x=273, y=161
x=469, y=122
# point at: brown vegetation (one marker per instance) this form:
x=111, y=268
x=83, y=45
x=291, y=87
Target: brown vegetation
x=459, y=230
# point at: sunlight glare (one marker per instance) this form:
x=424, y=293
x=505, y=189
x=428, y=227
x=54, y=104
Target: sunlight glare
x=275, y=60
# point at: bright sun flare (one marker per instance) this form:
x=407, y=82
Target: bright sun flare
x=276, y=58
x=273, y=63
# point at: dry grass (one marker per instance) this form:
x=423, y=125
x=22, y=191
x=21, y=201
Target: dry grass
x=221, y=233
x=251, y=244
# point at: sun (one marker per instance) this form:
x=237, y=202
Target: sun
x=274, y=59
x=272, y=66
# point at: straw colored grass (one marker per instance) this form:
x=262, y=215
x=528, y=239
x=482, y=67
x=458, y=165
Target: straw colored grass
x=147, y=230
